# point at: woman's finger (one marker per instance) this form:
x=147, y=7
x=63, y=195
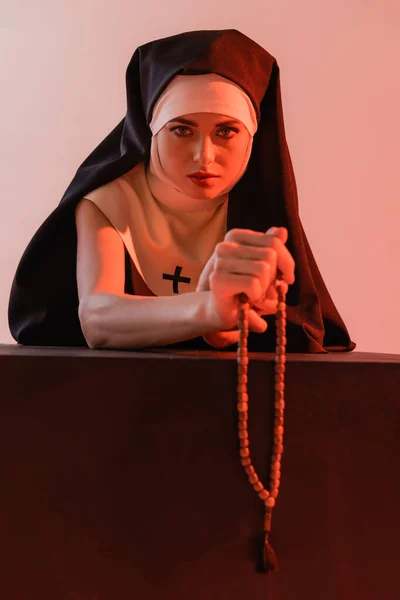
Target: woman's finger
x=256, y=323
x=226, y=285
x=245, y=252
x=204, y=283
x=263, y=270
x=280, y=232
x=248, y=238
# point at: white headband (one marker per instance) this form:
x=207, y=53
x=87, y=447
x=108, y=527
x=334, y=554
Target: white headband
x=209, y=93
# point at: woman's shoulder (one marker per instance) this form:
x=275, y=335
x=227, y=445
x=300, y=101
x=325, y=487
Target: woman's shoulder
x=118, y=188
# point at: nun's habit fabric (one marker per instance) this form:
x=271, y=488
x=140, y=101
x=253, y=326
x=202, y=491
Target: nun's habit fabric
x=43, y=307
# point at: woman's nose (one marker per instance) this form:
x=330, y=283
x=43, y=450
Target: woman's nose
x=204, y=152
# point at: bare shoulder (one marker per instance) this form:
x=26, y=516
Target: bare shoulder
x=100, y=252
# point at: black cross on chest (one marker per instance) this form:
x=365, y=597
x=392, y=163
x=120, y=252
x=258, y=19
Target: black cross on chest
x=176, y=279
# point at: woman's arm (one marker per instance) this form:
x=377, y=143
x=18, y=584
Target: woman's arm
x=112, y=319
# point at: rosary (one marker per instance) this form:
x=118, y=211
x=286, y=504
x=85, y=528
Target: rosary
x=267, y=496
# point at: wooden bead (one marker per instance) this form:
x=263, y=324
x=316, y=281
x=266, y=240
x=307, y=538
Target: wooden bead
x=279, y=404
x=281, y=306
x=270, y=502
x=279, y=430
x=279, y=387
x=242, y=397
x=250, y=470
x=242, y=406
x=242, y=379
x=243, y=360
x=280, y=369
x=264, y=494
x=245, y=461
x=278, y=448
x=281, y=358
x=243, y=434
x=253, y=478
x=278, y=439
x=244, y=443
x=242, y=425
x=241, y=388
x=243, y=415
x=274, y=493
x=244, y=452
x=258, y=487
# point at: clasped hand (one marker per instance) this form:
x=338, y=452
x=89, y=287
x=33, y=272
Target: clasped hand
x=246, y=262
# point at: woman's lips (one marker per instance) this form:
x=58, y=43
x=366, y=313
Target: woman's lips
x=202, y=180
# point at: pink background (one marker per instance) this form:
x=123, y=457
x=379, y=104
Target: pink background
x=62, y=90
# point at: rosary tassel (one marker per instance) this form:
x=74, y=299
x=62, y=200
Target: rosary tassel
x=270, y=559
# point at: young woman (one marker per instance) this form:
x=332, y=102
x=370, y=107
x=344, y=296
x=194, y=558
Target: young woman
x=188, y=203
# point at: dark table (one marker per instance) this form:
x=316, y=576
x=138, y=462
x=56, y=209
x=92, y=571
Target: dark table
x=121, y=477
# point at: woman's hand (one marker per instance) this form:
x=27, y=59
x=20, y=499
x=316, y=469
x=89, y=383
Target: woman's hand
x=245, y=262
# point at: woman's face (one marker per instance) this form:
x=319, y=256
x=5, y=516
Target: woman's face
x=203, y=153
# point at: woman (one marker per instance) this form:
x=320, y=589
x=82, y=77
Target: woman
x=163, y=225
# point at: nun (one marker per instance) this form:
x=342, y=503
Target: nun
x=189, y=204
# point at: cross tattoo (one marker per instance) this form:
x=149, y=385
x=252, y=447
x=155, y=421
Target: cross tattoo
x=176, y=278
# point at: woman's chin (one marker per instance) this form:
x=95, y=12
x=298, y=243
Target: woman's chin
x=207, y=192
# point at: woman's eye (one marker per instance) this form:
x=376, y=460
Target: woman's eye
x=181, y=130
x=228, y=132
